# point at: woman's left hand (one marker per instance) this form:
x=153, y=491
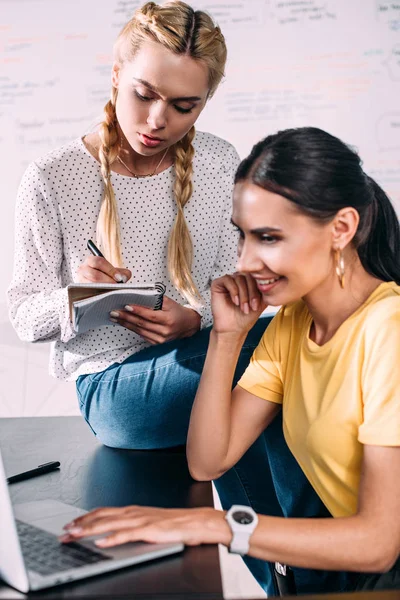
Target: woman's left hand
x=158, y=326
x=191, y=526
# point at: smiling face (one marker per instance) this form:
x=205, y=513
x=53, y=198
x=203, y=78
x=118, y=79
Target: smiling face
x=288, y=253
x=160, y=96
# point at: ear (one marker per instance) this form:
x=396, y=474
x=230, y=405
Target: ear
x=344, y=227
x=115, y=74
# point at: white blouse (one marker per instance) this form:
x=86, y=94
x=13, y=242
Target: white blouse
x=57, y=208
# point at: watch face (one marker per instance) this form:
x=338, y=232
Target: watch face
x=242, y=517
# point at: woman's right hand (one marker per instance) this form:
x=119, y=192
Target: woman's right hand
x=236, y=304
x=96, y=269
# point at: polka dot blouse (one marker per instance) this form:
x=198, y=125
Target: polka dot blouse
x=57, y=208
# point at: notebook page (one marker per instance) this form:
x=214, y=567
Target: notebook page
x=95, y=312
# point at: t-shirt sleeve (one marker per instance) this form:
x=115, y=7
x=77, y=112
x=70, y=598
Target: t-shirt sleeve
x=263, y=376
x=381, y=377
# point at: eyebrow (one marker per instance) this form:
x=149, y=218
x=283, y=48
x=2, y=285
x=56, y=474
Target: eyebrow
x=154, y=89
x=260, y=229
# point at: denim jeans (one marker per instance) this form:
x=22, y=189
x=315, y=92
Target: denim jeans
x=145, y=403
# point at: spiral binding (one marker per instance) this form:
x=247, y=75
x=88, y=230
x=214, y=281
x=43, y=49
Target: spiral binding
x=160, y=287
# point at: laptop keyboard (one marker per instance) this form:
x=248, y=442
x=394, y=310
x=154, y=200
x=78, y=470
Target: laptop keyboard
x=44, y=554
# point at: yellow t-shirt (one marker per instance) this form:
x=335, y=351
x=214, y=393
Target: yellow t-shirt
x=335, y=397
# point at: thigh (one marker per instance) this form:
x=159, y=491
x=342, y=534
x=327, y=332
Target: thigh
x=145, y=402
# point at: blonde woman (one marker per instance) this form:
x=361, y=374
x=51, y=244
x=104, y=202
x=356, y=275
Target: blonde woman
x=156, y=197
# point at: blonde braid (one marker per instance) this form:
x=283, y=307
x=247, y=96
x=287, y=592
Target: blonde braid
x=182, y=30
x=180, y=247
x=108, y=229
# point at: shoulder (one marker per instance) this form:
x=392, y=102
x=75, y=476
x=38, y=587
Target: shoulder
x=57, y=168
x=382, y=315
x=71, y=153
x=213, y=150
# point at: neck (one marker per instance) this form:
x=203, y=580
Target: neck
x=142, y=165
x=330, y=305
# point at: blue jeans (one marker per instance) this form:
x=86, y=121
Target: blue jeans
x=145, y=403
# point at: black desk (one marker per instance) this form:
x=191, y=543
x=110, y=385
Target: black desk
x=92, y=475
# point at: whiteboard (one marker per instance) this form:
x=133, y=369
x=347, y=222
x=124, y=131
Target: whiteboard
x=333, y=64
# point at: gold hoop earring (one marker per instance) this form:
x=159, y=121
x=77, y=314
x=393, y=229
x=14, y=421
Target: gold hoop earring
x=339, y=266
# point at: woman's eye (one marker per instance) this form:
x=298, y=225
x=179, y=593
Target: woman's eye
x=144, y=98
x=269, y=239
x=184, y=111
x=236, y=228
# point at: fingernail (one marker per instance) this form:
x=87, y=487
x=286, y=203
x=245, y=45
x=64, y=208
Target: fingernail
x=254, y=304
x=236, y=300
x=114, y=314
x=74, y=530
x=102, y=542
x=246, y=308
x=129, y=308
x=120, y=278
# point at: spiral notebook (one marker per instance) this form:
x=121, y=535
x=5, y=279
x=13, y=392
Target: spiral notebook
x=90, y=304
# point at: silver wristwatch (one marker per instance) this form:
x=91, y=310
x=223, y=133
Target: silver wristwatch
x=242, y=520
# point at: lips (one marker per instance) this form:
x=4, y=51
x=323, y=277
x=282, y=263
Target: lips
x=151, y=137
x=265, y=285
x=149, y=141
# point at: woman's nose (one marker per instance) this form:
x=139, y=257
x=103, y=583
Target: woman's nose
x=248, y=260
x=157, y=116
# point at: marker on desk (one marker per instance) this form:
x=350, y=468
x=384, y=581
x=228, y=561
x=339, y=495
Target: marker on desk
x=40, y=470
x=96, y=252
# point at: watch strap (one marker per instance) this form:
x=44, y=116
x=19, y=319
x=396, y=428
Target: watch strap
x=240, y=542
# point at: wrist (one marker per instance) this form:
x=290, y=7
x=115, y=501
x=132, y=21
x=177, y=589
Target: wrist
x=242, y=521
x=231, y=340
x=216, y=526
x=195, y=319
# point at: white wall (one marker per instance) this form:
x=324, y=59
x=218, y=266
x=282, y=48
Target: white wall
x=334, y=64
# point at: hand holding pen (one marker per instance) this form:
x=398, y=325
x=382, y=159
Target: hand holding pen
x=96, y=269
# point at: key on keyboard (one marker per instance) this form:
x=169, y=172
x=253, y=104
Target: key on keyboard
x=44, y=554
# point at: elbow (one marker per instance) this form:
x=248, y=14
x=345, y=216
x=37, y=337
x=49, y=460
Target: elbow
x=200, y=474
x=25, y=335
x=380, y=561
x=387, y=561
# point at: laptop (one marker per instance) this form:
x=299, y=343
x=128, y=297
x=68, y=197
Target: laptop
x=32, y=558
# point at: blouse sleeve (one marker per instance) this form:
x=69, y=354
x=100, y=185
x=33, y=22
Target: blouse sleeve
x=380, y=378
x=38, y=305
x=226, y=258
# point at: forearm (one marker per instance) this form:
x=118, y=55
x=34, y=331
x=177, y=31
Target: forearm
x=41, y=316
x=343, y=544
x=210, y=422
x=350, y=543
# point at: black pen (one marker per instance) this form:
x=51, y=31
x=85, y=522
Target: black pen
x=94, y=249
x=40, y=470
x=96, y=252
